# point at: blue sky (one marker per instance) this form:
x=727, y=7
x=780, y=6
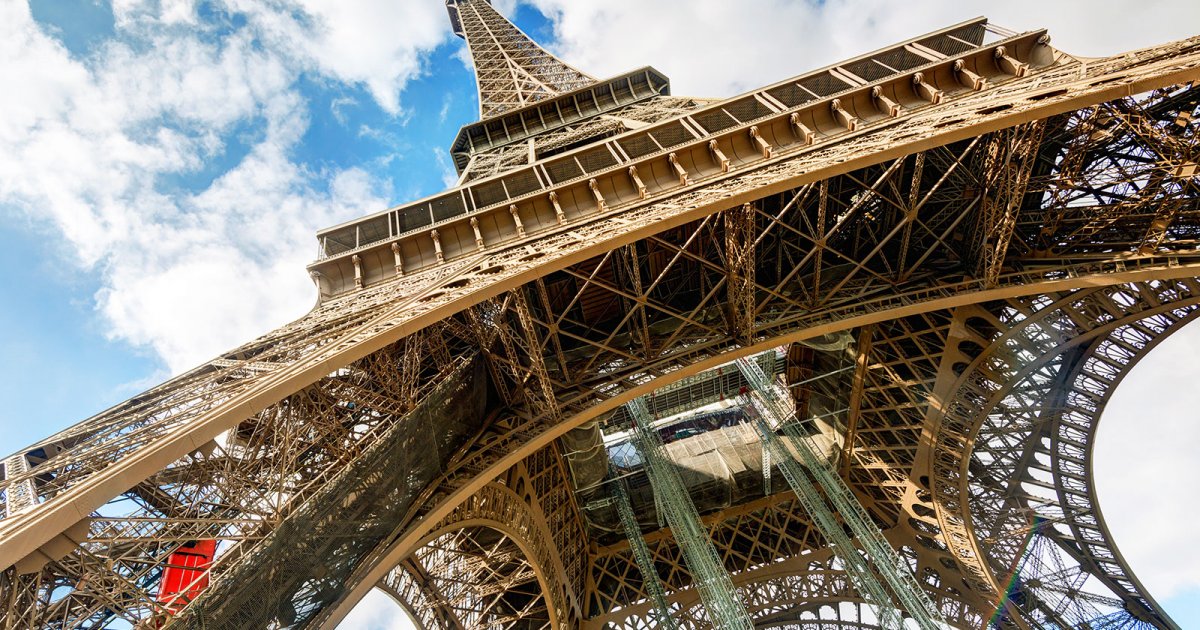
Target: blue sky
x=164, y=165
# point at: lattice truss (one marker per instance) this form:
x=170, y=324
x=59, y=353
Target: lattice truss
x=998, y=279
x=510, y=69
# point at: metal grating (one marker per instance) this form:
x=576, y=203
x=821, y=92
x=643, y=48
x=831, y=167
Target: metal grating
x=349, y=515
x=672, y=135
x=956, y=42
x=748, y=109
x=521, y=182
x=563, y=170
x=790, y=94
x=902, y=59
x=868, y=69
x=715, y=120
x=340, y=241
x=596, y=159
x=413, y=218
x=637, y=146
x=488, y=193
x=446, y=207
x=824, y=84
x=373, y=230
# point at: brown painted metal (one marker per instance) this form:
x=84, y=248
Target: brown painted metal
x=1011, y=228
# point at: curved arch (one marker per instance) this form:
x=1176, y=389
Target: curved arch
x=498, y=508
x=1069, y=332
x=1104, y=553
x=501, y=454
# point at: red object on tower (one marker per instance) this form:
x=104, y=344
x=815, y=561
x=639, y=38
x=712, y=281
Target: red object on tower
x=186, y=574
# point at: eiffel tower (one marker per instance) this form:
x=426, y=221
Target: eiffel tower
x=828, y=354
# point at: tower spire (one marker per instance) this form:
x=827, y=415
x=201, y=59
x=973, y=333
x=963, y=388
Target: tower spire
x=511, y=70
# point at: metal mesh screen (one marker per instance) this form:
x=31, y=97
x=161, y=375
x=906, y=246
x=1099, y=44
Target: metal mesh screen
x=521, y=182
x=488, y=194
x=373, y=230
x=446, y=207
x=563, y=170
x=901, y=59
x=957, y=41
x=790, y=94
x=338, y=242
x=292, y=574
x=671, y=135
x=637, y=146
x=715, y=120
x=824, y=84
x=599, y=158
x=747, y=109
x=413, y=218
x=868, y=69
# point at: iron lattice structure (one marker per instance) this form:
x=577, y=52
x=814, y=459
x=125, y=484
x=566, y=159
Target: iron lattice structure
x=961, y=243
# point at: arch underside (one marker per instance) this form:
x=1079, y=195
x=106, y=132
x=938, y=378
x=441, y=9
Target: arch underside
x=1067, y=346
x=991, y=275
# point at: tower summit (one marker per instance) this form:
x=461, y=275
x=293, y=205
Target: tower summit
x=511, y=70
x=829, y=353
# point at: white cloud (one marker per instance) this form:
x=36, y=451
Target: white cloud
x=445, y=168
x=373, y=42
x=377, y=611
x=86, y=145
x=92, y=145
x=719, y=48
x=1147, y=465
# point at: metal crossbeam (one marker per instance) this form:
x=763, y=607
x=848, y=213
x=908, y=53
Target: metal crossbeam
x=772, y=403
x=599, y=247
x=712, y=581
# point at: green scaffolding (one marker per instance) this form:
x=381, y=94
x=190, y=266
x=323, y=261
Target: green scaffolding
x=641, y=554
x=772, y=404
x=712, y=581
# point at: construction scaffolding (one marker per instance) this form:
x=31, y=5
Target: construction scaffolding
x=772, y=403
x=712, y=581
x=650, y=579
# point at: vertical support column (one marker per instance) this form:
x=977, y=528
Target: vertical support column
x=1008, y=162
x=720, y=598
x=559, y=215
x=399, y=260
x=516, y=215
x=21, y=495
x=740, y=233
x=641, y=554
x=771, y=403
x=478, y=234
x=863, y=350
x=437, y=246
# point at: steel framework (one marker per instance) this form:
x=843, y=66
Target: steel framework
x=965, y=241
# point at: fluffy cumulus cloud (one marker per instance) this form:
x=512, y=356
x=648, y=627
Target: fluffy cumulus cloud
x=716, y=47
x=164, y=157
